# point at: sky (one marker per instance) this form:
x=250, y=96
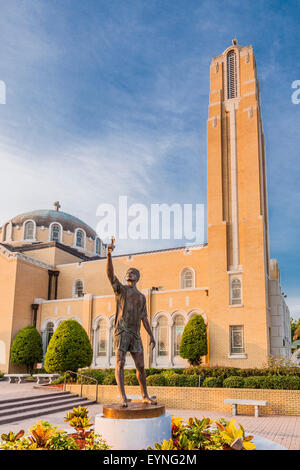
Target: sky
x=107, y=98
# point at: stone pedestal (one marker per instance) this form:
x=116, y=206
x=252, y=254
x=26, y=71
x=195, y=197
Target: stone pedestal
x=135, y=427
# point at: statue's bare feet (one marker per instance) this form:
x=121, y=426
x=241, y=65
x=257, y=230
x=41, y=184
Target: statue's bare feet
x=124, y=403
x=149, y=400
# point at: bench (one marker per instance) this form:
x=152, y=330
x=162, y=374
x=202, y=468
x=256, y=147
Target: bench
x=46, y=376
x=256, y=403
x=19, y=377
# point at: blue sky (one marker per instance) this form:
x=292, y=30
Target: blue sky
x=107, y=97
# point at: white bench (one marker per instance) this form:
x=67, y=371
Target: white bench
x=20, y=377
x=46, y=376
x=256, y=403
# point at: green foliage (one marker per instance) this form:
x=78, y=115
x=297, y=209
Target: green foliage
x=295, y=328
x=156, y=380
x=205, y=434
x=130, y=379
x=12, y=437
x=233, y=382
x=69, y=348
x=61, y=441
x=181, y=380
x=194, y=340
x=27, y=348
x=276, y=382
x=110, y=379
x=96, y=374
x=79, y=420
x=95, y=442
x=212, y=382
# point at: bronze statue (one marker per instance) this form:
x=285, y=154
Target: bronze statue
x=131, y=311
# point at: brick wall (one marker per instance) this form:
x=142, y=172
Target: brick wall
x=280, y=402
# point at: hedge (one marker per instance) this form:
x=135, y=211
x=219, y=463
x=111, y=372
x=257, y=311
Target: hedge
x=212, y=382
x=190, y=378
x=181, y=380
x=275, y=382
x=233, y=382
x=156, y=380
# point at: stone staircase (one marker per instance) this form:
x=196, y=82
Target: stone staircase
x=19, y=409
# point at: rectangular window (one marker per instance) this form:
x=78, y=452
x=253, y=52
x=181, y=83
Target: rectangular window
x=237, y=339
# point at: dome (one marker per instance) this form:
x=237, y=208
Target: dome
x=46, y=217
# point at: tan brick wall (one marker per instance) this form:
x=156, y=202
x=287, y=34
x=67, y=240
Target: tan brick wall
x=280, y=402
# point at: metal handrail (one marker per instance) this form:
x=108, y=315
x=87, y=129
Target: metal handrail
x=81, y=384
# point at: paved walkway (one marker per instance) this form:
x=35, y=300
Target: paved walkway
x=284, y=430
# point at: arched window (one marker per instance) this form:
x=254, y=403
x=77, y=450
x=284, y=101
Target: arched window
x=80, y=238
x=187, y=279
x=178, y=328
x=78, y=288
x=29, y=230
x=55, y=233
x=163, y=337
x=102, y=341
x=231, y=75
x=235, y=291
x=98, y=246
x=49, y=333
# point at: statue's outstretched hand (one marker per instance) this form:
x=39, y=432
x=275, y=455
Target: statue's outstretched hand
x=152, y=341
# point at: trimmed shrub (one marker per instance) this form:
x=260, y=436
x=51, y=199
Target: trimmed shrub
x=181, y=380
x=194, y=340
x=254, y=382
x=97, y=374
x=110, y=379
x=156, y=380
x=233, y=382
x=152, y=371
x=275, y=382
x=129, y=372
x=130, y=379
x=27, y=348
x=69, y=348
x=168, y=372
x=212, y=382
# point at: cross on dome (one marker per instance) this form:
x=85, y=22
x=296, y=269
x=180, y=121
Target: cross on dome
x=57, y=205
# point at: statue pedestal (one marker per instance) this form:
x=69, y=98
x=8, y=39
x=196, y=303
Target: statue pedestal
x=135, y=427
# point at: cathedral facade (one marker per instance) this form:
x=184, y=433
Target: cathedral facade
x=53, y=265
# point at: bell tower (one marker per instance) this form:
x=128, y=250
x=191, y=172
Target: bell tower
x=237, y=202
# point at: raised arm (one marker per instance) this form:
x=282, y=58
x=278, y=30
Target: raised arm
x=109, y=265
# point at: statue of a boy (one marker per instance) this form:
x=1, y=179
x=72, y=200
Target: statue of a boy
x=131, y=311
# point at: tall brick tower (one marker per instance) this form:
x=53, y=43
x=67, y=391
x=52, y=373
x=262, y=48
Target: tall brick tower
x=238, y=242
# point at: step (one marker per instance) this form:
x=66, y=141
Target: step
x=34, y=414
x=35, y=401
x=42, y=406
x=34, y=397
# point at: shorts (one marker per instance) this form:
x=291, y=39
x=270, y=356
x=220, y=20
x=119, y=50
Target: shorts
x=125, y=341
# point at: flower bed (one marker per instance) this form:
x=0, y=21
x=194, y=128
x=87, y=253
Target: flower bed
x=206, y=434
x=44, y=436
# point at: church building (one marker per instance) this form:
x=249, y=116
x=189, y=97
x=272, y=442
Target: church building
x=53, y=265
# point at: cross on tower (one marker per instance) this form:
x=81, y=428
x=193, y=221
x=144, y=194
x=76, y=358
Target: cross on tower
x=57, y=205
